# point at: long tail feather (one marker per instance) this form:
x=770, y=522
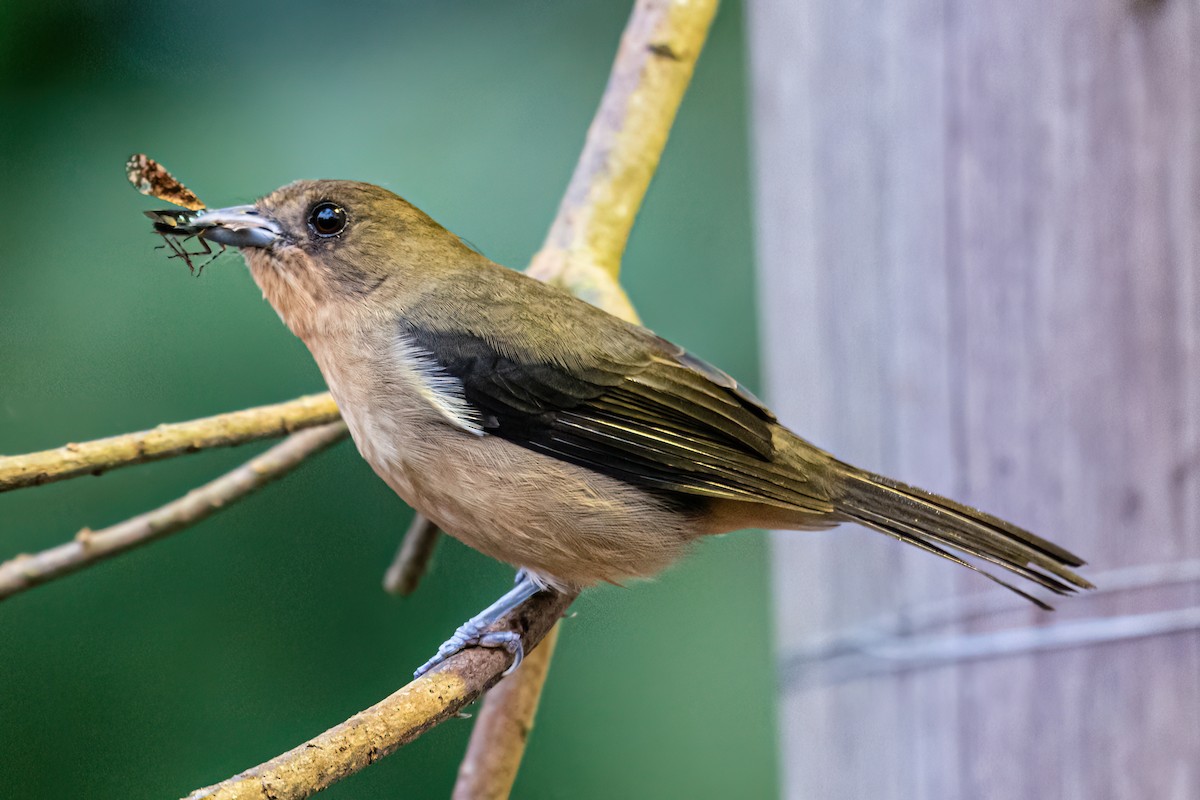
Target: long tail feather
x=940, y=526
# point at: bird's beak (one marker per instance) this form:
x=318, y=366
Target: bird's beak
x=236, y=226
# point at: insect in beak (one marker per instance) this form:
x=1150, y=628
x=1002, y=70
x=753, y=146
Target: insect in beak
x=236, y=226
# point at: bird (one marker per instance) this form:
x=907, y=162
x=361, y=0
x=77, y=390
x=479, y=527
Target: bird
x=546, y=433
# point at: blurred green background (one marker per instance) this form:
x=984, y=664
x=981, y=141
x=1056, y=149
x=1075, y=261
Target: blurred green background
x=201, y=655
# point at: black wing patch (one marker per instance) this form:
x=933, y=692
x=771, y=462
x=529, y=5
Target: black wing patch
x=664, y=421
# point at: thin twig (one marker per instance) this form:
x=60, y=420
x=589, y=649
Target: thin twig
x=165, y=441
x=412, y=559
x=658, y=53
x=498, y=739
x=26, y=571
x=384, y=727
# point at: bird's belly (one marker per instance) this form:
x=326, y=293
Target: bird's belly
x=569, y=525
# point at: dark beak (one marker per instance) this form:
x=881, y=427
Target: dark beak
x=236, y=226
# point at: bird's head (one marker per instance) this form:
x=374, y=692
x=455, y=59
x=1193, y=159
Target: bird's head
x=330, y=253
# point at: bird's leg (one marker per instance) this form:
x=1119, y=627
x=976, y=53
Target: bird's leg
x=471, y=633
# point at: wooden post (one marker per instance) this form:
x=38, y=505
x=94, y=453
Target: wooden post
x=979, y=228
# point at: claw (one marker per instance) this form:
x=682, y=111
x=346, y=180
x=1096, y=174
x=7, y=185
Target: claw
x=471, y=633
x=511, y=642
x=507, y=640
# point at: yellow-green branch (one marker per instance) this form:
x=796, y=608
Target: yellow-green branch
x=624, y=144
x=165, y=441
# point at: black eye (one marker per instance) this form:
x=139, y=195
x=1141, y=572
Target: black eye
x=327, y=219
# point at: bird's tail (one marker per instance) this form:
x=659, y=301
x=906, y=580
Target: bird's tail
x=941, y=526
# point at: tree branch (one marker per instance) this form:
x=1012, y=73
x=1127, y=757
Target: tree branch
x=395, y=721
x=26, y=571
x=502, y=729
x=166, y=441
x=658, y=53
x=412, y=559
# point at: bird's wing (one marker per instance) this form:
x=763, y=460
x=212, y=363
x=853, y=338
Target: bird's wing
x=632, y=406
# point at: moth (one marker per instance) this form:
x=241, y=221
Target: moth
x=153, y=180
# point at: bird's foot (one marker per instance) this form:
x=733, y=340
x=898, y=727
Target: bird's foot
x=474, y=633
x=469, y=636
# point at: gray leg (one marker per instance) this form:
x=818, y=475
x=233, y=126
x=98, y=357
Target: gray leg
x=471, y=632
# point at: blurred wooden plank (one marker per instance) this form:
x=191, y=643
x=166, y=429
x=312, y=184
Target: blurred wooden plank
x=979, y=230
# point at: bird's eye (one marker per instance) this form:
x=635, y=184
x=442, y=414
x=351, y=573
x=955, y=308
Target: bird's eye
x=327, y=219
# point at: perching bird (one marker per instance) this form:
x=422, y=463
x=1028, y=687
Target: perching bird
x=543, y=431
